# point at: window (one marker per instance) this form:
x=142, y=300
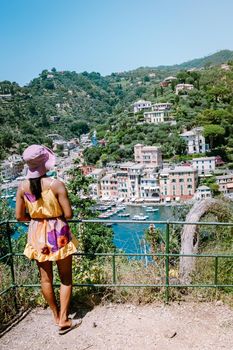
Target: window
x=181, y=180
x=182, y=189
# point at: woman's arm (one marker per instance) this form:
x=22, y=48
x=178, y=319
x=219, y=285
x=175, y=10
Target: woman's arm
x=20, y=210
x=62, y=196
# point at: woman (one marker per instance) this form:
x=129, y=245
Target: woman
x=44, y=202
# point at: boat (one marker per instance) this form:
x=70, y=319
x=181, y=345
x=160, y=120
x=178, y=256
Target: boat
x=140, y=217
x=120, y=207
x=124, y=215
x=6, y=196
x=103, y=207
x=149, y=210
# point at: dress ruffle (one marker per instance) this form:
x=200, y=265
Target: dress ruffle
x=70, y=248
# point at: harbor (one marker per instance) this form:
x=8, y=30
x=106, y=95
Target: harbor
x=127, y=236
x=130, y=236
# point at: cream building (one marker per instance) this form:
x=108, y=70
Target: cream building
x=149, y=188
x=204, y=166
x=95, y=188
x=203, y=192
x=183, y=87
x=160, y=113
x=135, y=174
x=156, y=117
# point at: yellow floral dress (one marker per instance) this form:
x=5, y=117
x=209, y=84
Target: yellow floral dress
x=49, y=236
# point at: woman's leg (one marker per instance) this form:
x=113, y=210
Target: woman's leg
x=65, y=273
x=46, y=277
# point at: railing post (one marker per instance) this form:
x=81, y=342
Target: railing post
x=8, y=232
x=216, y=271
x=114, y=268
x=167, y=251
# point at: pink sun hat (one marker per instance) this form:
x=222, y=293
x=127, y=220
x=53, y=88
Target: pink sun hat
x=39, y=160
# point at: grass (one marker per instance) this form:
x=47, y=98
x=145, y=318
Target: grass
x=128, y=271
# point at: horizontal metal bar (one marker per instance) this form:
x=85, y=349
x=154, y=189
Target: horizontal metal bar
x=147, y=254
x=5, y=256
x=6, y=290
x=158, y=254
x=212, y=223
x=132, y=285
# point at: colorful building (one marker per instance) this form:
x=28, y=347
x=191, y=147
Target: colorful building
x=150, y=156
x=177, y=183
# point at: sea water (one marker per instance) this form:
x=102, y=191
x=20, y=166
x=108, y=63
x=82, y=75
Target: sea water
x=128, y=237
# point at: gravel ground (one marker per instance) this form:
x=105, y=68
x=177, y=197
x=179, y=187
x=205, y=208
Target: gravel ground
x=182, y=326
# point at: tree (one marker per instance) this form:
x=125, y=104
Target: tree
x=78, y=128
x=213, y=132
x=92, y=237
x=6, y=214
x=182, y=76
x=92, y=154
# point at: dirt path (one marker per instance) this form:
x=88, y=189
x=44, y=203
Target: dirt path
x=199, y=326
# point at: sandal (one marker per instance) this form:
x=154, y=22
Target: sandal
x=74, y=324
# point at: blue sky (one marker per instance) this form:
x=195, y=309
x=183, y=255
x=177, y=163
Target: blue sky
x=108, y=35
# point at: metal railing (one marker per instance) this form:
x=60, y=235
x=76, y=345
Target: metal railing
x=166, y=255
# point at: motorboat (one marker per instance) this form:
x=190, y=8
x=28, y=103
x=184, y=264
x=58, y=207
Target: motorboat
x=149, y=210
x=140, y=217
x=124, y=215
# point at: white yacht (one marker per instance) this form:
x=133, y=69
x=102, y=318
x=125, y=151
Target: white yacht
x=140, y=217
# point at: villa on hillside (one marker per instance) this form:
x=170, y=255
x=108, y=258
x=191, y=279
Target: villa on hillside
x=195, y=140
x=161, y=106
x=167, y=81
x=183, y=87
x=141, y=105
x=159, y=113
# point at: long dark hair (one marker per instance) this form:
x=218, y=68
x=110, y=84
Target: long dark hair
x=35, y=186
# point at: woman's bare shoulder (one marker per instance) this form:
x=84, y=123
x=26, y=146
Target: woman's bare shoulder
x=23, y=186
x=57, y=185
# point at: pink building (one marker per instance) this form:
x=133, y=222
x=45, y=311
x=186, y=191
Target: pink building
x=150, y=156
x=178, y=183
x=108, y=186
x=225, y=183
